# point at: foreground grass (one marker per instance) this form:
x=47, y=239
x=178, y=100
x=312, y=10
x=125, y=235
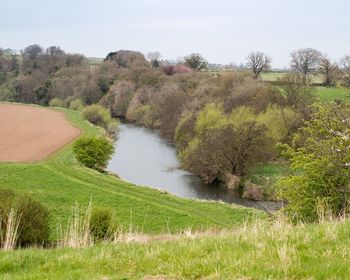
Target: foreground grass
x=261, y=251
x=60, y=182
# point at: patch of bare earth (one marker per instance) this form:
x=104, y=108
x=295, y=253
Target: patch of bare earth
x=30, y=134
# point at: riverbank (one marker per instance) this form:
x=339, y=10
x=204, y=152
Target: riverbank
x=60, y=183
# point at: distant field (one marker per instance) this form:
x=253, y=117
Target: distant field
x=95, y=60
x=60, y=182
x=332, y=93
x=274, y=76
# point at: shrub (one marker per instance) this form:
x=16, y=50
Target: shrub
x=93, y=152
x=113, y=127
x=320, y=175
x=253, y=192
x=56, y=102
x=33, y=218
x=76, y=105
x=101, y=222
x=67, y=101
x=34, y=222
x=97, y=115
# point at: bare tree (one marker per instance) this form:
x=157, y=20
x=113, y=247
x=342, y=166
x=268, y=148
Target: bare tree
x=345, y=73
x=328, y=70
x=305, y=61
x=196, y=61
x=154, y=58
x=258, y=62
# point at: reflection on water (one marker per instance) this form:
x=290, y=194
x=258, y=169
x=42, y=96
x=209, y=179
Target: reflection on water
x=143, y=158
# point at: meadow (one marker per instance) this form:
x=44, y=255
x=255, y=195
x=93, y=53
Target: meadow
x=260, y=251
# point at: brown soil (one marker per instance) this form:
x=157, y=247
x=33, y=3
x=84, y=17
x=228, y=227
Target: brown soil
x=29, y=134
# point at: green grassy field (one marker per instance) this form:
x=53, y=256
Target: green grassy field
x=274, y=76
x=332, y=93
x=266, y=175
x=262, y=251
x=60, y=182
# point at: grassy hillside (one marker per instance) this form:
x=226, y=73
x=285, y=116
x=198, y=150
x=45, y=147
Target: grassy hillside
x=59, y=182
x=262, y=251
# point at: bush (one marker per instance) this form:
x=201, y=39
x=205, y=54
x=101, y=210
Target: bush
x=113, y=127
x=33, y=218
x=320, y=175
x=76, y=105
x=56, y=102
x=67, y=101
x=93, y=152
x=253, y=192
x=101, y=222
x=97, y=115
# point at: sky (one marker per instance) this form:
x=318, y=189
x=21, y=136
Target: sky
x=223, y=31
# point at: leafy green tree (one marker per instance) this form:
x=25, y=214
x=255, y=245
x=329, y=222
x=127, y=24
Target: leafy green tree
x=93, y=152
x=320, y=165
x=225, y=144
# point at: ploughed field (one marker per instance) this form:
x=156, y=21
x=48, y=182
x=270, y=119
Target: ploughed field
x=29, y=133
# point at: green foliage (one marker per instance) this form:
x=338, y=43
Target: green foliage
x=280, y=122
x=184, y=131
x=101, y=222
x=320, y=161
x=56, y=102
x=211, y=117
x=97, y=115
x=225, y=144
x=93, y=152
x=33, y=217
x=76, y=105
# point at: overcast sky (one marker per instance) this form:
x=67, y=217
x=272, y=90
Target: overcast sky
x=223, y=31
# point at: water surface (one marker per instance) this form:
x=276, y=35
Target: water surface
x=144, y=158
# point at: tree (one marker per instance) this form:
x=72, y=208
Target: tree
x=154, y=58
x=93, y=152
x=345, y=63
x=31, y=58
x=320, y=166
x=328, y=70
x=305, y=61
x=258, y=62
x=225, y=145
x=196, y=61
x=297, y=92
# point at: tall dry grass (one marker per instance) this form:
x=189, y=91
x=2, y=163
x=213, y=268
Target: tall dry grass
x=9, y=230
x=77, y=234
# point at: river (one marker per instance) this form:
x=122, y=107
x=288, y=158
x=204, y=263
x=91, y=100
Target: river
x=142, y=157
